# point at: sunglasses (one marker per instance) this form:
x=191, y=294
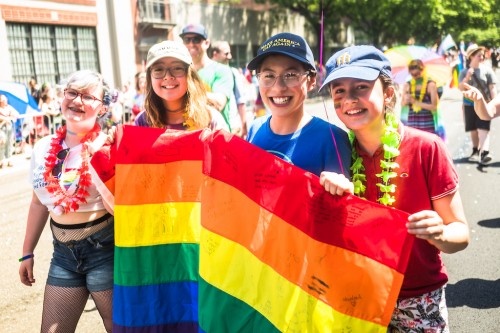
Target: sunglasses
x=61, y=156
x=413, y=67
x=194, y=40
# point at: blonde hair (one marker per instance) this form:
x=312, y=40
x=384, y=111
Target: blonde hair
x=196, y=112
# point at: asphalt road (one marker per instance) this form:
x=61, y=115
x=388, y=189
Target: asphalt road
x=473, y=292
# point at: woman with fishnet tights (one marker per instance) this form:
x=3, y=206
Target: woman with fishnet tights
x=82, y=228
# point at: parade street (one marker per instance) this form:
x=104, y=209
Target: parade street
x=473, y=291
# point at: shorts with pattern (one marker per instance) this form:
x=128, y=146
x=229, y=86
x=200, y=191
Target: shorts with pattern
x=422, y=314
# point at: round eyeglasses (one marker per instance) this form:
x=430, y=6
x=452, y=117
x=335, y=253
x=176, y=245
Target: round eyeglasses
x=290, y=79
x=159, y=72
x=87, y=99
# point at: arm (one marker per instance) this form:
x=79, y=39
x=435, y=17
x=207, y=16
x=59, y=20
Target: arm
x=445, y=227
x=466, y=79
x=219, y=100
x=483, y=110
x=405, y=95
x=37, y=218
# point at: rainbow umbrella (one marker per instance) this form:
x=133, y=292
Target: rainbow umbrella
x=436, y=66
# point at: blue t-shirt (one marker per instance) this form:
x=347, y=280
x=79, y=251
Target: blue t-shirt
x=311, y=148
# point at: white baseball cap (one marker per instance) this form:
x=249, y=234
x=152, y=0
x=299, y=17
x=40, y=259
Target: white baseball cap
x=168, y=48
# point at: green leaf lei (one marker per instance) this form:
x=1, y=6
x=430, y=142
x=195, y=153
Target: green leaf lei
x=390, y=140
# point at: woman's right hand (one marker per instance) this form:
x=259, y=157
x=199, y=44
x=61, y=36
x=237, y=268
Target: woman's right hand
x=26, y=272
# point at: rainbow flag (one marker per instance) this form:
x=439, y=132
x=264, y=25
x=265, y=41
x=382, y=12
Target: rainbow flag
x=214, y=234
x=154, y=179
x=279, y=254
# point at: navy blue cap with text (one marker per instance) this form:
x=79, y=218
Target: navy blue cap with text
x=197, y=29
x=364, y=62
x=284, y=43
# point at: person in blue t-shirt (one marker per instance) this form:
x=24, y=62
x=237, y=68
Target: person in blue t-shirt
x=286, y=73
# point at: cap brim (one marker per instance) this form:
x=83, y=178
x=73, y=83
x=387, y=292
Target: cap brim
x=255, y=62
x=353, y=72
x=155, y=59
x=193, y=33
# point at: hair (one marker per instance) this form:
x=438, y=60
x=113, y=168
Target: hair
x=388, y=82
x=417, y=62
x=217, y=46
x=2, y=96
x=85, y=79
x=196, y=102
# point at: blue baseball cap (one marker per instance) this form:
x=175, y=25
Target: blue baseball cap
x=364, y=62
x=284, y=43
x=197, y=29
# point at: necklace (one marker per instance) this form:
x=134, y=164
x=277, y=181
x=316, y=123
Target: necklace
x=423, y=89
x=66, y=201
x=390, y=141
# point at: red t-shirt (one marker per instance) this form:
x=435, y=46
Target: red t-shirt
x=425, y=173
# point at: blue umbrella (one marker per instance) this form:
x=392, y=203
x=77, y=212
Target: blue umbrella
x=19, y=97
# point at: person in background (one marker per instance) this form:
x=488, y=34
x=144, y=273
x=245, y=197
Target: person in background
x=286, y=73
x=221, y=52
x=82, y=228
x=34, y=90
x=481, y=77
x=218, y=79
x=404, y=168
x=420, y=94
x=7, y=117
x=175, y=95
x=138, y=100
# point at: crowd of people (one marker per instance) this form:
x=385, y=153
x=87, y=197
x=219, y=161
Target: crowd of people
x=185, y=88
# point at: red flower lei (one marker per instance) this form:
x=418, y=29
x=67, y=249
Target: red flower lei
x=69, y=201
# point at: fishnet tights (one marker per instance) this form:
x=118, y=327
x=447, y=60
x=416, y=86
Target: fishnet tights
x=65, y=235
x=62, y=308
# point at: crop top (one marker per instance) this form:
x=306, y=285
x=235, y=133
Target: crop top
x=72, y=162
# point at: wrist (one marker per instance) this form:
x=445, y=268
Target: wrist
x=26, y=257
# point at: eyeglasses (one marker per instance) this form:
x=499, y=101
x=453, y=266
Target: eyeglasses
x=290, y=79
x=413, y=67
x=87, y=99
x=194, y=40
x=61, y=156
x=160, y=71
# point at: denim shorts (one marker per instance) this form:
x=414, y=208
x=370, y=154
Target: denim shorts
x=84, y=263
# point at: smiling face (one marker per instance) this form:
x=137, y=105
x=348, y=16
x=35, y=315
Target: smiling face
x=360, y=104
x=281, y=99
x=81, y=117
x=173, y=86
x=196, y=45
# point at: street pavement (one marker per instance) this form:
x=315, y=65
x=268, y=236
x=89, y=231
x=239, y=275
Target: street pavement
x=473, y=292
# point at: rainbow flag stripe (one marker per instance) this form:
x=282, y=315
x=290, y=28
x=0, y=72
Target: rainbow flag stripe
x=277, y=251
x=213, y=234
x=154, y=180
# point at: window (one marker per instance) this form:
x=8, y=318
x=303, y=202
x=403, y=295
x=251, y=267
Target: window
x=50, y=53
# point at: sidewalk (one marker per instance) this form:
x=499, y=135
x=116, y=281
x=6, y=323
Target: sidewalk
x=21, y=162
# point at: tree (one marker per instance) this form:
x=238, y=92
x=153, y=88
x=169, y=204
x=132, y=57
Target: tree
x=390, y=22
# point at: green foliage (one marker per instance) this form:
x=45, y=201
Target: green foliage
x=392, y=22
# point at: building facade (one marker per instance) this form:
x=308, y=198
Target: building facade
x=47, y=40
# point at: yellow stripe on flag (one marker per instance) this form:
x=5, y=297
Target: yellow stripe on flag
x=141, y=226
x=233, y=269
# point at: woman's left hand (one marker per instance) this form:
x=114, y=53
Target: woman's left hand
x=336, y=183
